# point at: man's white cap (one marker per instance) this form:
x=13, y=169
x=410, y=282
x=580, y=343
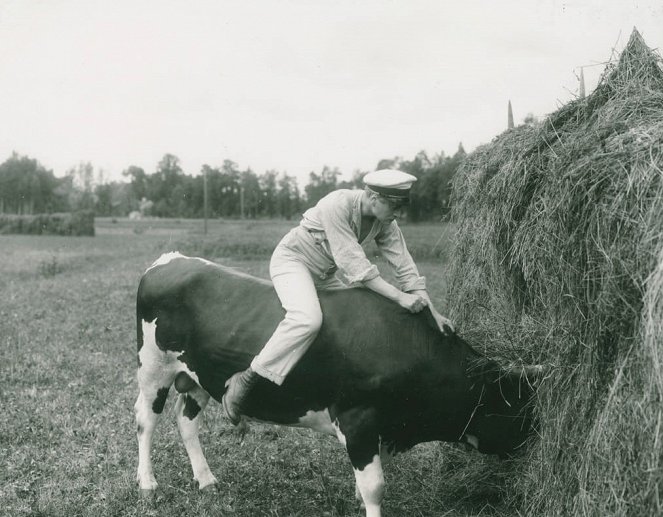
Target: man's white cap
x=391, y=183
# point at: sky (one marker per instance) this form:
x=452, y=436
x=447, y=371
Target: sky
x=291, y=85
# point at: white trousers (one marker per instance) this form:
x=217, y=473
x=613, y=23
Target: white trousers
x=297, y=289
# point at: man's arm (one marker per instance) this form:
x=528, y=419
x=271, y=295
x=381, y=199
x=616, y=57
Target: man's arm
x=413, y=302
x=392, y=246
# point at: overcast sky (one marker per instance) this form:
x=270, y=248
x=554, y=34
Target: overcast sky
x=291, y=85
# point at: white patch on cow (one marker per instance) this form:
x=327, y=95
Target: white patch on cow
x=205, y=261
x=159, y=363
x=472, y=440
x=165, y=259
x=370, y=484
x=319, y=421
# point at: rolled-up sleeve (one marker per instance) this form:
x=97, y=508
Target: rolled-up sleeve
x=392, y=246
x=349, y=256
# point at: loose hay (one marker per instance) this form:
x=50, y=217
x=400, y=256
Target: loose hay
x=559, y=261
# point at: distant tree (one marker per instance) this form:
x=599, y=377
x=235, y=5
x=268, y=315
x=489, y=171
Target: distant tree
x=27, y=187
x=355, y=183
x=138, y=184
x=104, y=204
x=250, y=193
x=288, y=197
x=391, y=163
x=447, y=172
x=268, y=189
x=321, y=185
x=165, y=187
x=213, y=190
x=80, y=188
x=113, y=199
x=531, y=120
x=422, y=198
x=229, y=189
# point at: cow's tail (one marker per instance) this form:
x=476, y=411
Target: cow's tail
x=139, y=326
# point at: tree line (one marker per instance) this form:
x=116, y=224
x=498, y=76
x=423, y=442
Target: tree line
x=27, y=187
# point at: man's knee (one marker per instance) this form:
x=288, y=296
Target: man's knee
x=309, y=321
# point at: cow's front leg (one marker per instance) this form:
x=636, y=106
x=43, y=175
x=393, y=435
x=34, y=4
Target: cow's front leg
x=370, y=484
x=188, y=409
x=361, y=440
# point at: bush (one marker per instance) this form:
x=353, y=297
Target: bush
x=559, y=260
x=75, y=223
x=50, y=267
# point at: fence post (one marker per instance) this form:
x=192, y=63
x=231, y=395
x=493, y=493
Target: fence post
x=510, y=117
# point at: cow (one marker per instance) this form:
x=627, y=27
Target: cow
x=377, y=377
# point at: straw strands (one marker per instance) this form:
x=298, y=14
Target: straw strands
x=559, y=261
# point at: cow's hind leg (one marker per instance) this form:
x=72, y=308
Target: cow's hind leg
x=156, y=373
x=148, y=408
x=188, y=409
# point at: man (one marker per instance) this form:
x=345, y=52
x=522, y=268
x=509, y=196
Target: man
x=329, y=238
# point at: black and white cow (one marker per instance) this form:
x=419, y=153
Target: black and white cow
x=377, y=377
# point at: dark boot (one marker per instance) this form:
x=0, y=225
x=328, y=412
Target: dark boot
x=238, y=388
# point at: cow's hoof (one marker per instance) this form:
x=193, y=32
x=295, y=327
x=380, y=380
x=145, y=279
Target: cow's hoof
x=147, y=494
x=211, y=488
x=148, y=484
x=208, y=485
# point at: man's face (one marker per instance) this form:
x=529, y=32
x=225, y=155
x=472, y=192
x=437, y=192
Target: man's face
x=386, y=209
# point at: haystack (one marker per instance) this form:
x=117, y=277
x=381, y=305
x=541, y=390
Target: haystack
x=559, y=261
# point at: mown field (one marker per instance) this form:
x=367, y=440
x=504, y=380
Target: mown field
x=67, y=389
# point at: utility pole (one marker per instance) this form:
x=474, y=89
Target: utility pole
x=205, y=199
x=241, y=200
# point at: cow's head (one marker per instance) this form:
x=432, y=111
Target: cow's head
x=503, y=417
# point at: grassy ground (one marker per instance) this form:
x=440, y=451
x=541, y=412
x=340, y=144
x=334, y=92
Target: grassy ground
x=67, y=388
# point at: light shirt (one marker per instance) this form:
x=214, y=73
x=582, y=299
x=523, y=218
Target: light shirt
x=328, y=238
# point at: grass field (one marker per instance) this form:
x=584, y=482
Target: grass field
x=67, y=389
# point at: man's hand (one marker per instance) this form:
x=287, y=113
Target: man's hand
x=439, y=319
x=442, y=321
x=412, y=302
